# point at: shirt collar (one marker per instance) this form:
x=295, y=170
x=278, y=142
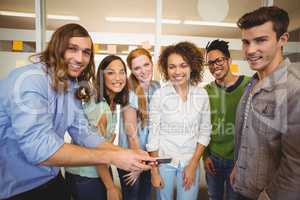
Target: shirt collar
x=72, y=85
x=172, y=90
x=275, y=78
x=232, y=87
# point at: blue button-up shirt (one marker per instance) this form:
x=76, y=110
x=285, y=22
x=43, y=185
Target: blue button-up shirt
x=33, y=121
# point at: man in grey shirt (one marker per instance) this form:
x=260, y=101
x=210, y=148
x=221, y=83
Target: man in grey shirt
x=268, y=116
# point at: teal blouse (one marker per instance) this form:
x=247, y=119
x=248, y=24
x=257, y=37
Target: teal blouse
x=93, y=112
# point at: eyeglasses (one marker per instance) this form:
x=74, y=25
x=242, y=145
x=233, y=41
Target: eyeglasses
x=219, y=61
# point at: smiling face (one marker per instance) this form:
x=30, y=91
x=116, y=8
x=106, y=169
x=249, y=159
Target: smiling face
x=218, y=64
x=77, y=55
x=142, y=69
x=178, y=70
x=262, y=49
x=114, y=77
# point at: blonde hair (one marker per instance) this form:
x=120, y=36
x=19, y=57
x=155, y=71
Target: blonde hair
x=135, y=85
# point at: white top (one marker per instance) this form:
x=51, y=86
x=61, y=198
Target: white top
x=176, y=126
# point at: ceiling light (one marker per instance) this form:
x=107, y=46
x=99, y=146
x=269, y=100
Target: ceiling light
x=171, y=21
x=102, y=51
x=64, y=17
x=32, y=15
x=213, y=10
x=141, y=20
x=206, y=23
x=127, y=52
x=16, y=14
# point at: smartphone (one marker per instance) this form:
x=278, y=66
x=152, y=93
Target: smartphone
x=160, y=160
x=163, y=160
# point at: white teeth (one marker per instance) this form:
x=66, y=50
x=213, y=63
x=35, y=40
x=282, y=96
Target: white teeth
x=253, y=58
x=179, y=77
x=117, y=84
x=75, y=66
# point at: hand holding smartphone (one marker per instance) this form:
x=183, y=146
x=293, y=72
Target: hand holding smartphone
x=163, y=160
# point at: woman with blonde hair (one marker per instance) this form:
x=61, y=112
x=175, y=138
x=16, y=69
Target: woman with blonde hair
x=136, y=185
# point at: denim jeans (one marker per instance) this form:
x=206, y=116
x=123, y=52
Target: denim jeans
x=172, y=177
x=216, y=184
x=141, y=188
x=53, y=189
x=83, y=188
x=241, y=197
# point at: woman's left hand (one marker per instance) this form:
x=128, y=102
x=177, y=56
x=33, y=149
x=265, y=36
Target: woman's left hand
x=131, y=177
x=189, y=175
x=113, y=137
x=114, y=193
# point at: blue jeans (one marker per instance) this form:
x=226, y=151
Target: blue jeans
x=83, y=188
x=172, y=177
x=141, y=188
x=221, y=180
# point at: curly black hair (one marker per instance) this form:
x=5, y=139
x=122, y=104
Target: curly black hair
x=190, y=53
x=220, y=45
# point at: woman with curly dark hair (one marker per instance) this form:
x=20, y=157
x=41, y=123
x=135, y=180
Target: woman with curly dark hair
x=179, y=122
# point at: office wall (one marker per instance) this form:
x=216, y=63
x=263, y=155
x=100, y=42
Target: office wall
x=11, y=60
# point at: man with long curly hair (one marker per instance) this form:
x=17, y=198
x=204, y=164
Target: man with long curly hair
x=38, y=105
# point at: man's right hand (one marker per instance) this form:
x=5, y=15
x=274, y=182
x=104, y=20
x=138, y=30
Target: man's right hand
x=209, y=166
x=233, y=175
x=131, y=160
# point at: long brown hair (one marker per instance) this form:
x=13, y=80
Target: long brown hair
x=121, y=97
x=53, y=57
x=135, y=85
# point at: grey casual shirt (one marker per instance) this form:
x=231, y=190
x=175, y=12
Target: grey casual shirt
x=268, y=136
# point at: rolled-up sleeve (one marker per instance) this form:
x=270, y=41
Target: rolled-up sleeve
x=31, y=120
x=154, y=123
x=133, y=100
x=204, y=121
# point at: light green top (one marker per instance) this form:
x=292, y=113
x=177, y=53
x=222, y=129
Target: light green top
x=93, y=112
x=223, y=104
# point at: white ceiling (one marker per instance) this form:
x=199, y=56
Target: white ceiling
x=92, y=15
